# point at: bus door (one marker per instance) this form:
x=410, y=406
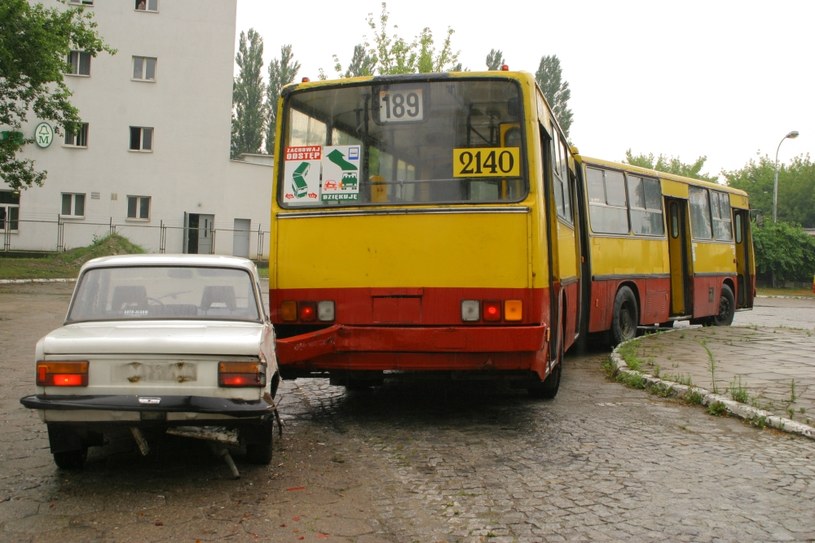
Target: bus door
x=741, y=222
x=679, y=255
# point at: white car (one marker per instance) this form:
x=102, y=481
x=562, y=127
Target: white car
x=156, y=342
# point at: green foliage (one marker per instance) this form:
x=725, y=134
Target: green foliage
x=391, y=54
x=66, y=265
x=495, y=59
x=35, y=42
x=555, y=90
x=669, y=165
x=796, y=189
x=784, y=252
x=281, y=73
x=248, y=91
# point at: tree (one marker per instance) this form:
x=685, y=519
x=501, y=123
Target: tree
x=35, y=43
x=555, y=90
x=281, y=73
x=495, y=59
x=669, y=165
x=783, y=253
x=796, y=190
x=248, y=91
x=391, y=54
x=361, y=63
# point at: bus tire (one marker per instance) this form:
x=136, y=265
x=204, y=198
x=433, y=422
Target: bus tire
x=547, y=389
x=625, y=318
x=727, y=308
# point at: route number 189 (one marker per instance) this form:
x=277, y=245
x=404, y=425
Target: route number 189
x=400, y=105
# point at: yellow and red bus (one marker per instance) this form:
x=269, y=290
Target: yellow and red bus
x=658, y=248
x=423, y=223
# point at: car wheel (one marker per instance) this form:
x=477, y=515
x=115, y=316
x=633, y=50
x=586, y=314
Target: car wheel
x=259, y=443
x=71, y=460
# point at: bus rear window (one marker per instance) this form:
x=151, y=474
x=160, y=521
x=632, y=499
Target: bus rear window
x=411, y=142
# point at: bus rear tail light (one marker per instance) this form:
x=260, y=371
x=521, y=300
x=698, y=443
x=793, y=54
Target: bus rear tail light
x=68, y=373
x=513, y=310
x=492, y=310
x=307, y=311
x=325, y=311
x=241, y=374
x=470, y=311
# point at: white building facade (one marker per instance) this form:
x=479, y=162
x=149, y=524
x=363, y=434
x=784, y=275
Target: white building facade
x=152, y=159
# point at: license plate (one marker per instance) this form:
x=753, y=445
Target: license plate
x=162, y=372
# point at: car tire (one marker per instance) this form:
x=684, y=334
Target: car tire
x=259, y=441
x=71, y=460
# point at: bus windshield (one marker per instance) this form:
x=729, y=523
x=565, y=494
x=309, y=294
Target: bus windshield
x=410, y=142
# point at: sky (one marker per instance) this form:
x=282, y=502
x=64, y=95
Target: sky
x=725, y=79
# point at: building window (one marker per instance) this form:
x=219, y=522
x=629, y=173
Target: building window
x=81, y=2
x=141, y=138
x=79, y=63
x=144, y=68
x=9, y=211
x=73, y=204
x=77, y=137
x=147, y=5
x=138, y=207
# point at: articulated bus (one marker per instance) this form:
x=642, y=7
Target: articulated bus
x=658, y=248
x=424, y=223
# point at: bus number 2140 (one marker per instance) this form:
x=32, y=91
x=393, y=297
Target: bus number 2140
x=486, y=162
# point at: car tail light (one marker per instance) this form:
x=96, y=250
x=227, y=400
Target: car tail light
x=70, y=373
x=241, y=374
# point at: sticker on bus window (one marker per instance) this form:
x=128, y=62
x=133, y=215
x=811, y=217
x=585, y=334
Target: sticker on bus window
x=487, y=162
x=301, y=174
x=340, y=172
x=399, y=105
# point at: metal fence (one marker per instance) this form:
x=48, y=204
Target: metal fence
x=61, y=234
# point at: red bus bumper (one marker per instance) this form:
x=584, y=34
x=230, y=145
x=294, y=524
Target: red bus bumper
x=341, y=347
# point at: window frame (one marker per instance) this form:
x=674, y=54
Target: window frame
x=10, y=207
x=77, y=140
x=81, y=2
x=139, y=137
x=73, y=200
x=144, y=68
x=137, y=203
x=150, y=6
x=74, y=62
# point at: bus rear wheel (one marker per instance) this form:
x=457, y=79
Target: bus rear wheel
x=727, y=309
x=625, y=318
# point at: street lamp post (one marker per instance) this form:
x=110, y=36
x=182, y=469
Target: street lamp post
x=791, y=135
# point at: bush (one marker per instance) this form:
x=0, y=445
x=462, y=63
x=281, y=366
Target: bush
x=783, y=253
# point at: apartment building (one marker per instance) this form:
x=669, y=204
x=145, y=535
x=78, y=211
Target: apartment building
x=151, y=160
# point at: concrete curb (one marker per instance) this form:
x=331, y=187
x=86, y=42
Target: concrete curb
x=743, y=411
x=24, y=281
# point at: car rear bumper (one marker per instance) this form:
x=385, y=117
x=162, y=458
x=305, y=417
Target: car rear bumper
x=150, y=407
